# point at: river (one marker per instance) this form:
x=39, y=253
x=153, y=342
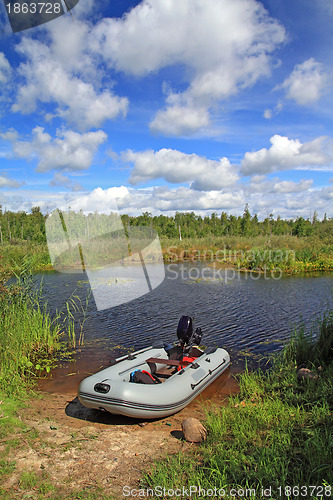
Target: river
x=242, y=312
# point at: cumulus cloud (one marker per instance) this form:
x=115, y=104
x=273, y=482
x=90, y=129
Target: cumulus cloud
x=306, y=83
x=286, y=153
x=225, y=46
x=6, y=182
x=292, y=187
x=289, y=199
x=157, y=200
x=271, y=113
x=5, y=69
x=62, y=180
x=102, y=200
x=268, y=114
x=180, y=120
x=69, y=151
x=285, y=198
x=176, y=167
x=60, y=71
x=262, y=185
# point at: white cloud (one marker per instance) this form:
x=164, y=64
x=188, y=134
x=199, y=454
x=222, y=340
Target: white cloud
x=285, y=199
x=224, y=46
x=306, y=83
x=262, y=185
x=268, y=114
x=176, y=167
x=69, y=151
x=271, y=113
x=159, y=199
x=272, y=196
x=102, y=200
x=60, y=71
x=5, y=69
x=8, y=183
x=287, y=154
x=178, y=120
x=292, y=187
x=62, y=180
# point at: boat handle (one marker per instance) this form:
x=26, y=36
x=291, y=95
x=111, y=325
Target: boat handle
x=209, y=373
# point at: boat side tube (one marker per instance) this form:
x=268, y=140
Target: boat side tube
x=151, y=400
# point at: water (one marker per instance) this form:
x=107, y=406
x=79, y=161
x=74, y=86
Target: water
x=235, y=310
x=251, y=316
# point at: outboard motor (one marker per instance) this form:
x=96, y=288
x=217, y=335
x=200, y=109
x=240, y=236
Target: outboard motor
x=185, y=336
x=196, y=339
x=185, y=330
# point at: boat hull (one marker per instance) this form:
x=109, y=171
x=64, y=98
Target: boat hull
x=150, y=401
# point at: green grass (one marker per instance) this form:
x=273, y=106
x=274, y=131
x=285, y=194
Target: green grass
x=28, y=336
x=39, y=258
x=291, y=254
x=30, y=340
x=277, y=432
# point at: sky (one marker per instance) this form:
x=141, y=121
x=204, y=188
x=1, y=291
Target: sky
x=170, y=105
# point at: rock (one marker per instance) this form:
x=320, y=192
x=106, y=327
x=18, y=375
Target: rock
x=193, y=430
x=306, y=374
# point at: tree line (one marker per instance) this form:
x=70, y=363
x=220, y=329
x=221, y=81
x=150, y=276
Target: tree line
x=16, y=226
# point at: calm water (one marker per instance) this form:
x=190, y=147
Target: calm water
x=234, y=310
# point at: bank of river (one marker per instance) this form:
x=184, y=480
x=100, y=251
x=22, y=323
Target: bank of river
x=58, y=448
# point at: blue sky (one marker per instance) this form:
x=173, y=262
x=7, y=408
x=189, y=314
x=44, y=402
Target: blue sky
x=168, y=105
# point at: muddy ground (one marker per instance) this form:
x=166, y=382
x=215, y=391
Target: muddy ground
x=76, y=449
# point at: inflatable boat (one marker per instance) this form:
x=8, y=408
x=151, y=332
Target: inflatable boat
x=156, y=381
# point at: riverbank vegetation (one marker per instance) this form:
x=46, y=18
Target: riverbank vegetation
x=30, y=338
x=290, y=246
x=274, y=436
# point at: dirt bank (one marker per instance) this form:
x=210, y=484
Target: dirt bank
x=74, y=449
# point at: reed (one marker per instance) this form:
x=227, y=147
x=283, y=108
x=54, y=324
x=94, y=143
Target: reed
x=29, y=337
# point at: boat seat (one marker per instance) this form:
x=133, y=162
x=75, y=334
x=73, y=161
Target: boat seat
x=171, y=362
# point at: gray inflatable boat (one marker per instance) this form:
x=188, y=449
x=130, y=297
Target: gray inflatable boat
x=157, y=381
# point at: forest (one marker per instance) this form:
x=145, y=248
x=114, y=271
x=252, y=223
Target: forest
x=22, y=226
x=244, y=241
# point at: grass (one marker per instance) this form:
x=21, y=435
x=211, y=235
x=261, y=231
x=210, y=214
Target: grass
x=30, y=339
x=28, y=336
x=29, y=342
x=10, y=253
x=290, y=254
x=278, y=432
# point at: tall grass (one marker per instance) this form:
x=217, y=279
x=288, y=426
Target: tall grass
x=314, y=347
x=10, y=253
x=29, y=337
x=289, y=253
x=276, y=433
